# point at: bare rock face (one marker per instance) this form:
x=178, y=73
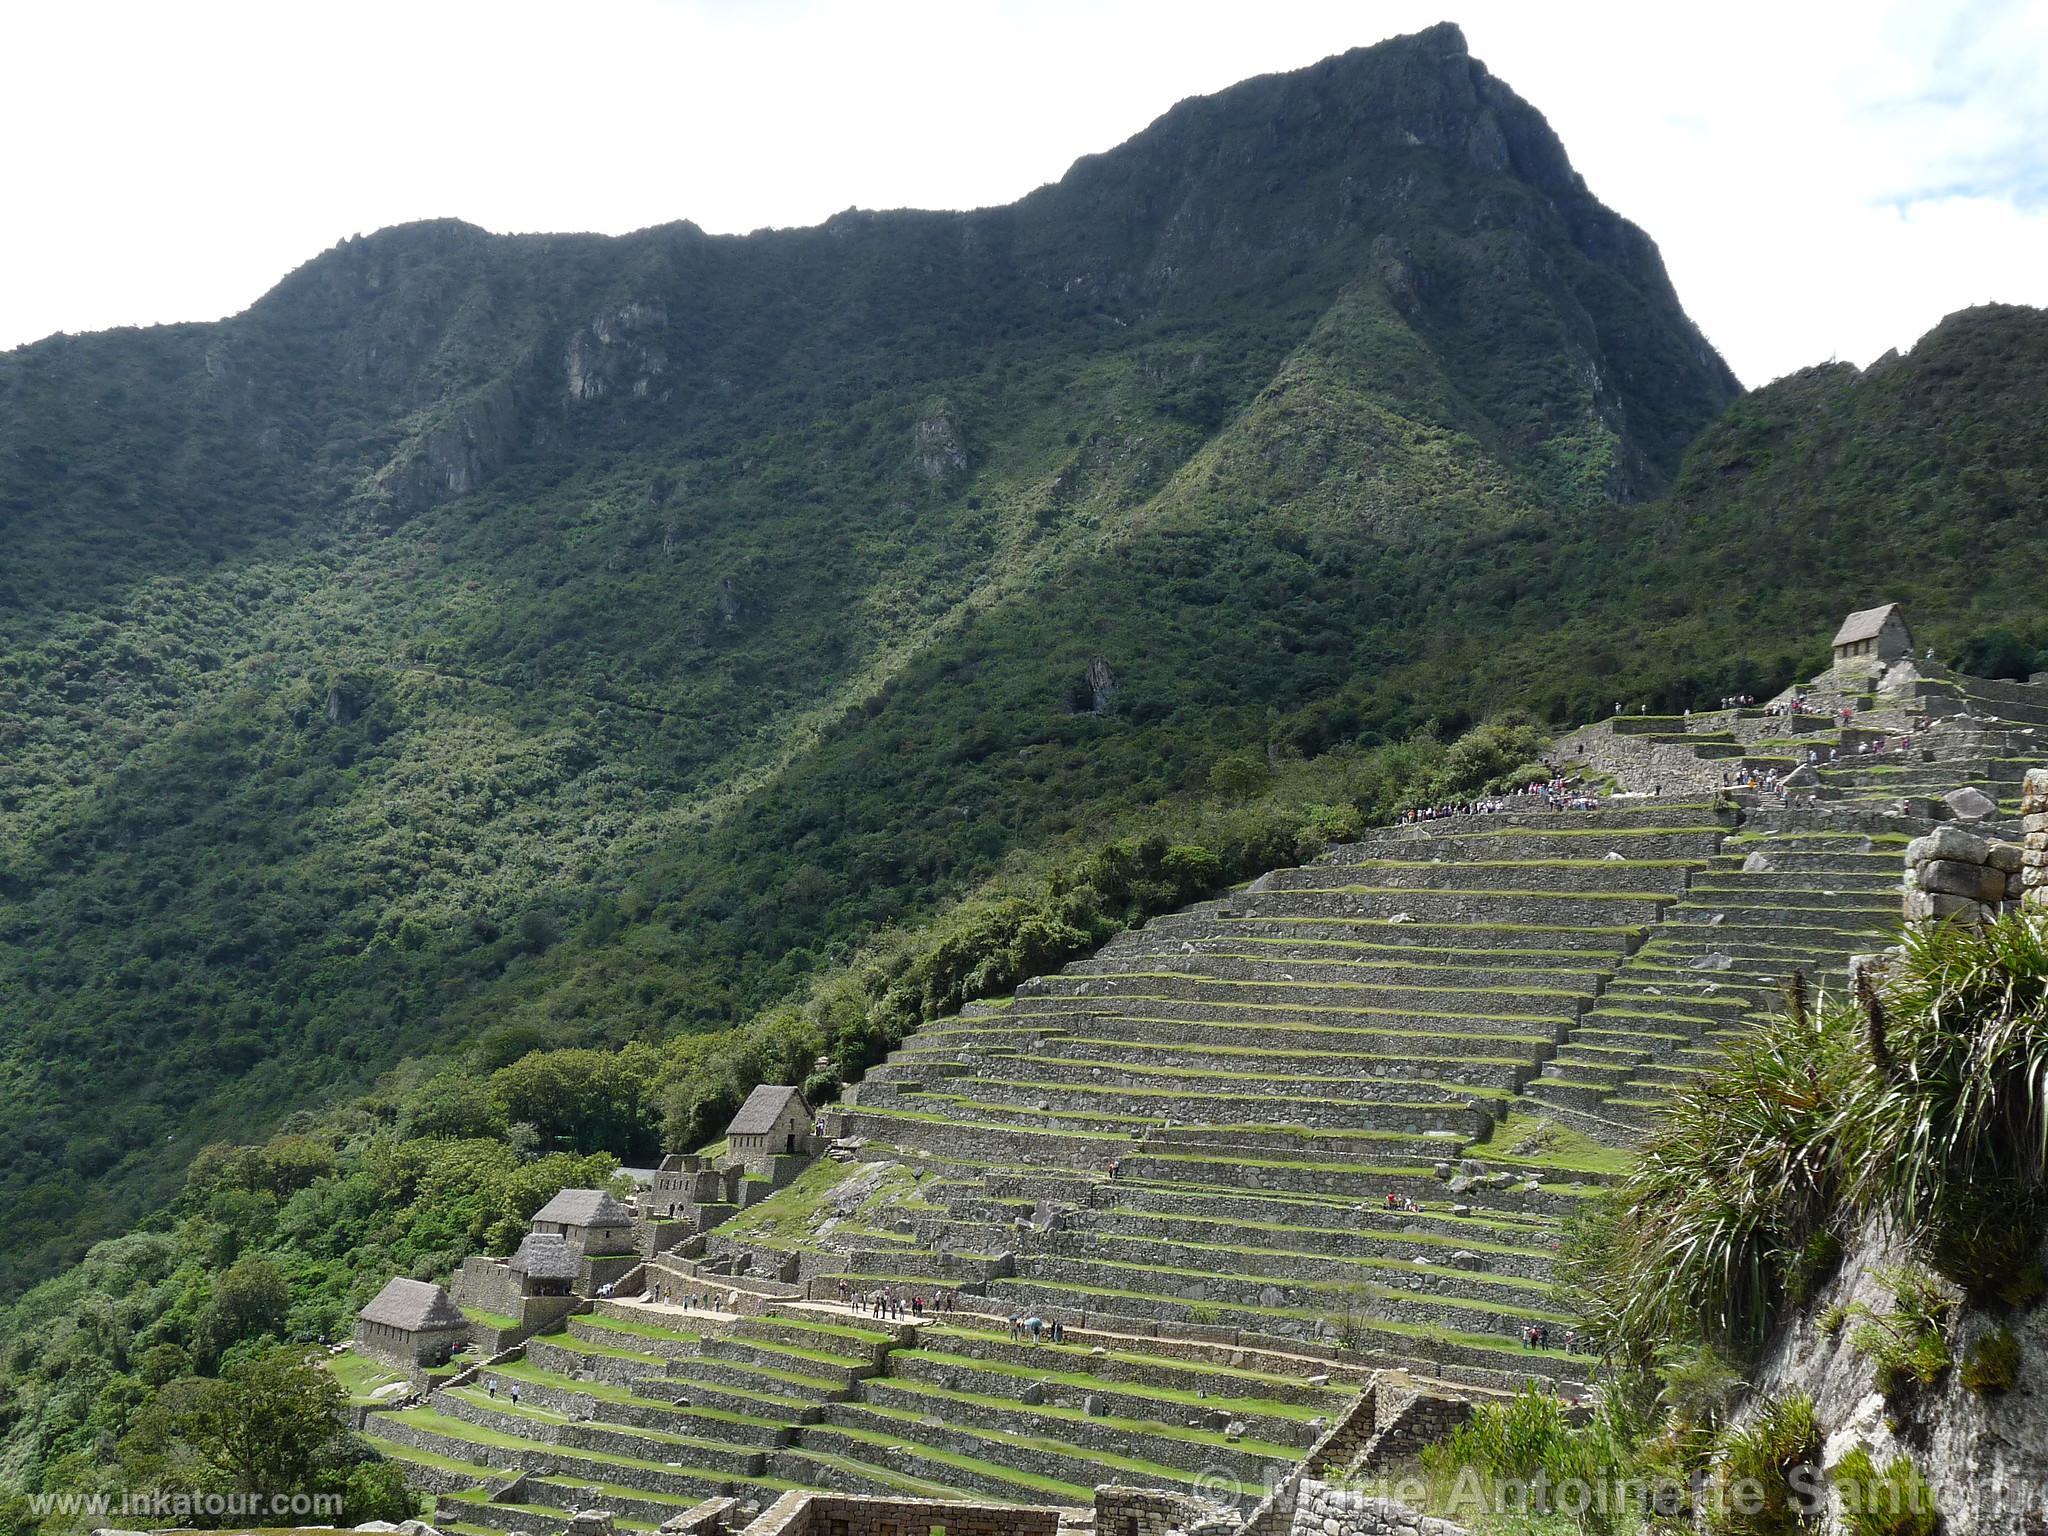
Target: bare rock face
x=1984, y=1455
x=1101, y=684
x=936, y=450
x=617, y=353
x=465, y=446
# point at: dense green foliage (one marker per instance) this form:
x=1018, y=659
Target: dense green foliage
x=601, y=638
x=114, y=1372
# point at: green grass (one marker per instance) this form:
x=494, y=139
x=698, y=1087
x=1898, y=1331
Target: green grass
x=636, y=1328
x=360, y=1377
x=1530, y=1141
x=490, y=1319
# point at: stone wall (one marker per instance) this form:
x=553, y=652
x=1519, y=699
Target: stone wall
x=1958, y=876
x=2034, y=844
x=831, y=1514
x=1121, y=1511
x=1639, y=764
x=1322, y=1509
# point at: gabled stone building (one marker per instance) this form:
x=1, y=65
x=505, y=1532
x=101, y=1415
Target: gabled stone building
x=1872, y=635
x=411, y=1323
x=590, y=1221
x=774, y=1122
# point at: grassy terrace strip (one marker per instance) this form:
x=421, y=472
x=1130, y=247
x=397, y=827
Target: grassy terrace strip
x=547, y=1418
x=1407, y=893
x=1295, y=986
x=998, y=1116
x=1400, y=954
x=1498, y=1342
x=1620, y=930
x=490, y=1320
x=1367, y=1262
x=526, y=1371
x=1071, y=1494
x=587, y=1346
x=399, y=1451
x=1625, y=864
x=1151, y=1471
x=1286, y=1012
x=1475, y=1091
x=1251, y=1380
x=361, y=1377
x=1430, y=1239
x=633, y=1326
x=1141, y=1069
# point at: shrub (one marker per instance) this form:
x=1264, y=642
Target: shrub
x=1893, y=1500
x=1992, y=1364
x=1531, y=1442
x=1948, y=1133
x=1763, y=1470
x=1910, y=1345
x=1732, y=1204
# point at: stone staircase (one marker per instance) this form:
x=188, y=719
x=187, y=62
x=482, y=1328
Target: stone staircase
x=1772, y=902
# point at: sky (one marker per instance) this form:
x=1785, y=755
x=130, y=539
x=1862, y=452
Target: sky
x=1826, y=181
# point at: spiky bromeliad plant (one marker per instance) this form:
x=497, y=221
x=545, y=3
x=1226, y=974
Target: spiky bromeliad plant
x=1735, y=1200
x=1946, y=1136
x=1920, y=1103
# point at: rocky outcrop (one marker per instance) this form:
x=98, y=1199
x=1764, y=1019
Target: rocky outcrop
x=1984, y=1453
x=464, y=446
x=620, y=352
x=936, y=450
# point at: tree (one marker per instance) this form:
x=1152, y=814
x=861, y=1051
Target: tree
x=249, y=1301
x=271, y=1425
x=1240, y=775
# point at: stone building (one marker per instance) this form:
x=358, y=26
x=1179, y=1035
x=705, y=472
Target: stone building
x=543, y=1265
x=590, y=1221
x=411, y=1323
x=1872, y=635
x=774, y=1122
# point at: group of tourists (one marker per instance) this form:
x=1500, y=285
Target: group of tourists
x=1556, y=794
x=1739, y=701
x=1537, y=1336
x=885, y=1303
x=1402, y=1203
x=1040, y=1329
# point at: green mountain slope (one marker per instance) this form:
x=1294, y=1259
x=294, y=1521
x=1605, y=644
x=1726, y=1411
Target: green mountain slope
x=576, y=638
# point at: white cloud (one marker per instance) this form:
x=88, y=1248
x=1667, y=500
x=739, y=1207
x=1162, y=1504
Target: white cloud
x=1825, y=180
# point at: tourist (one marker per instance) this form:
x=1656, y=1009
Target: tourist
x=491, y=1388
x=515, y=1394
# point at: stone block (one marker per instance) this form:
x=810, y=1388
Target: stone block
x=1970, y=804
x=1977, y=882
x=2005, y=856
x=2034, y=790
x=2034, y=821
x=1926, y=906
x=1950, y=843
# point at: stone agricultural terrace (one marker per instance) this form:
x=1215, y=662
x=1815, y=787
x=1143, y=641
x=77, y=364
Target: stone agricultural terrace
x=1318, y=1138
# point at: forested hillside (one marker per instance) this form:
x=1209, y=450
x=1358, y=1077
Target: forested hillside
x=562, y=640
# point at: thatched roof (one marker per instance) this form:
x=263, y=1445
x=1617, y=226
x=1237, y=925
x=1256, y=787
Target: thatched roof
x=763, y=1108
x=585, y=1208
x=1865, y=624
x=544, y=1256
x=417, y=1306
